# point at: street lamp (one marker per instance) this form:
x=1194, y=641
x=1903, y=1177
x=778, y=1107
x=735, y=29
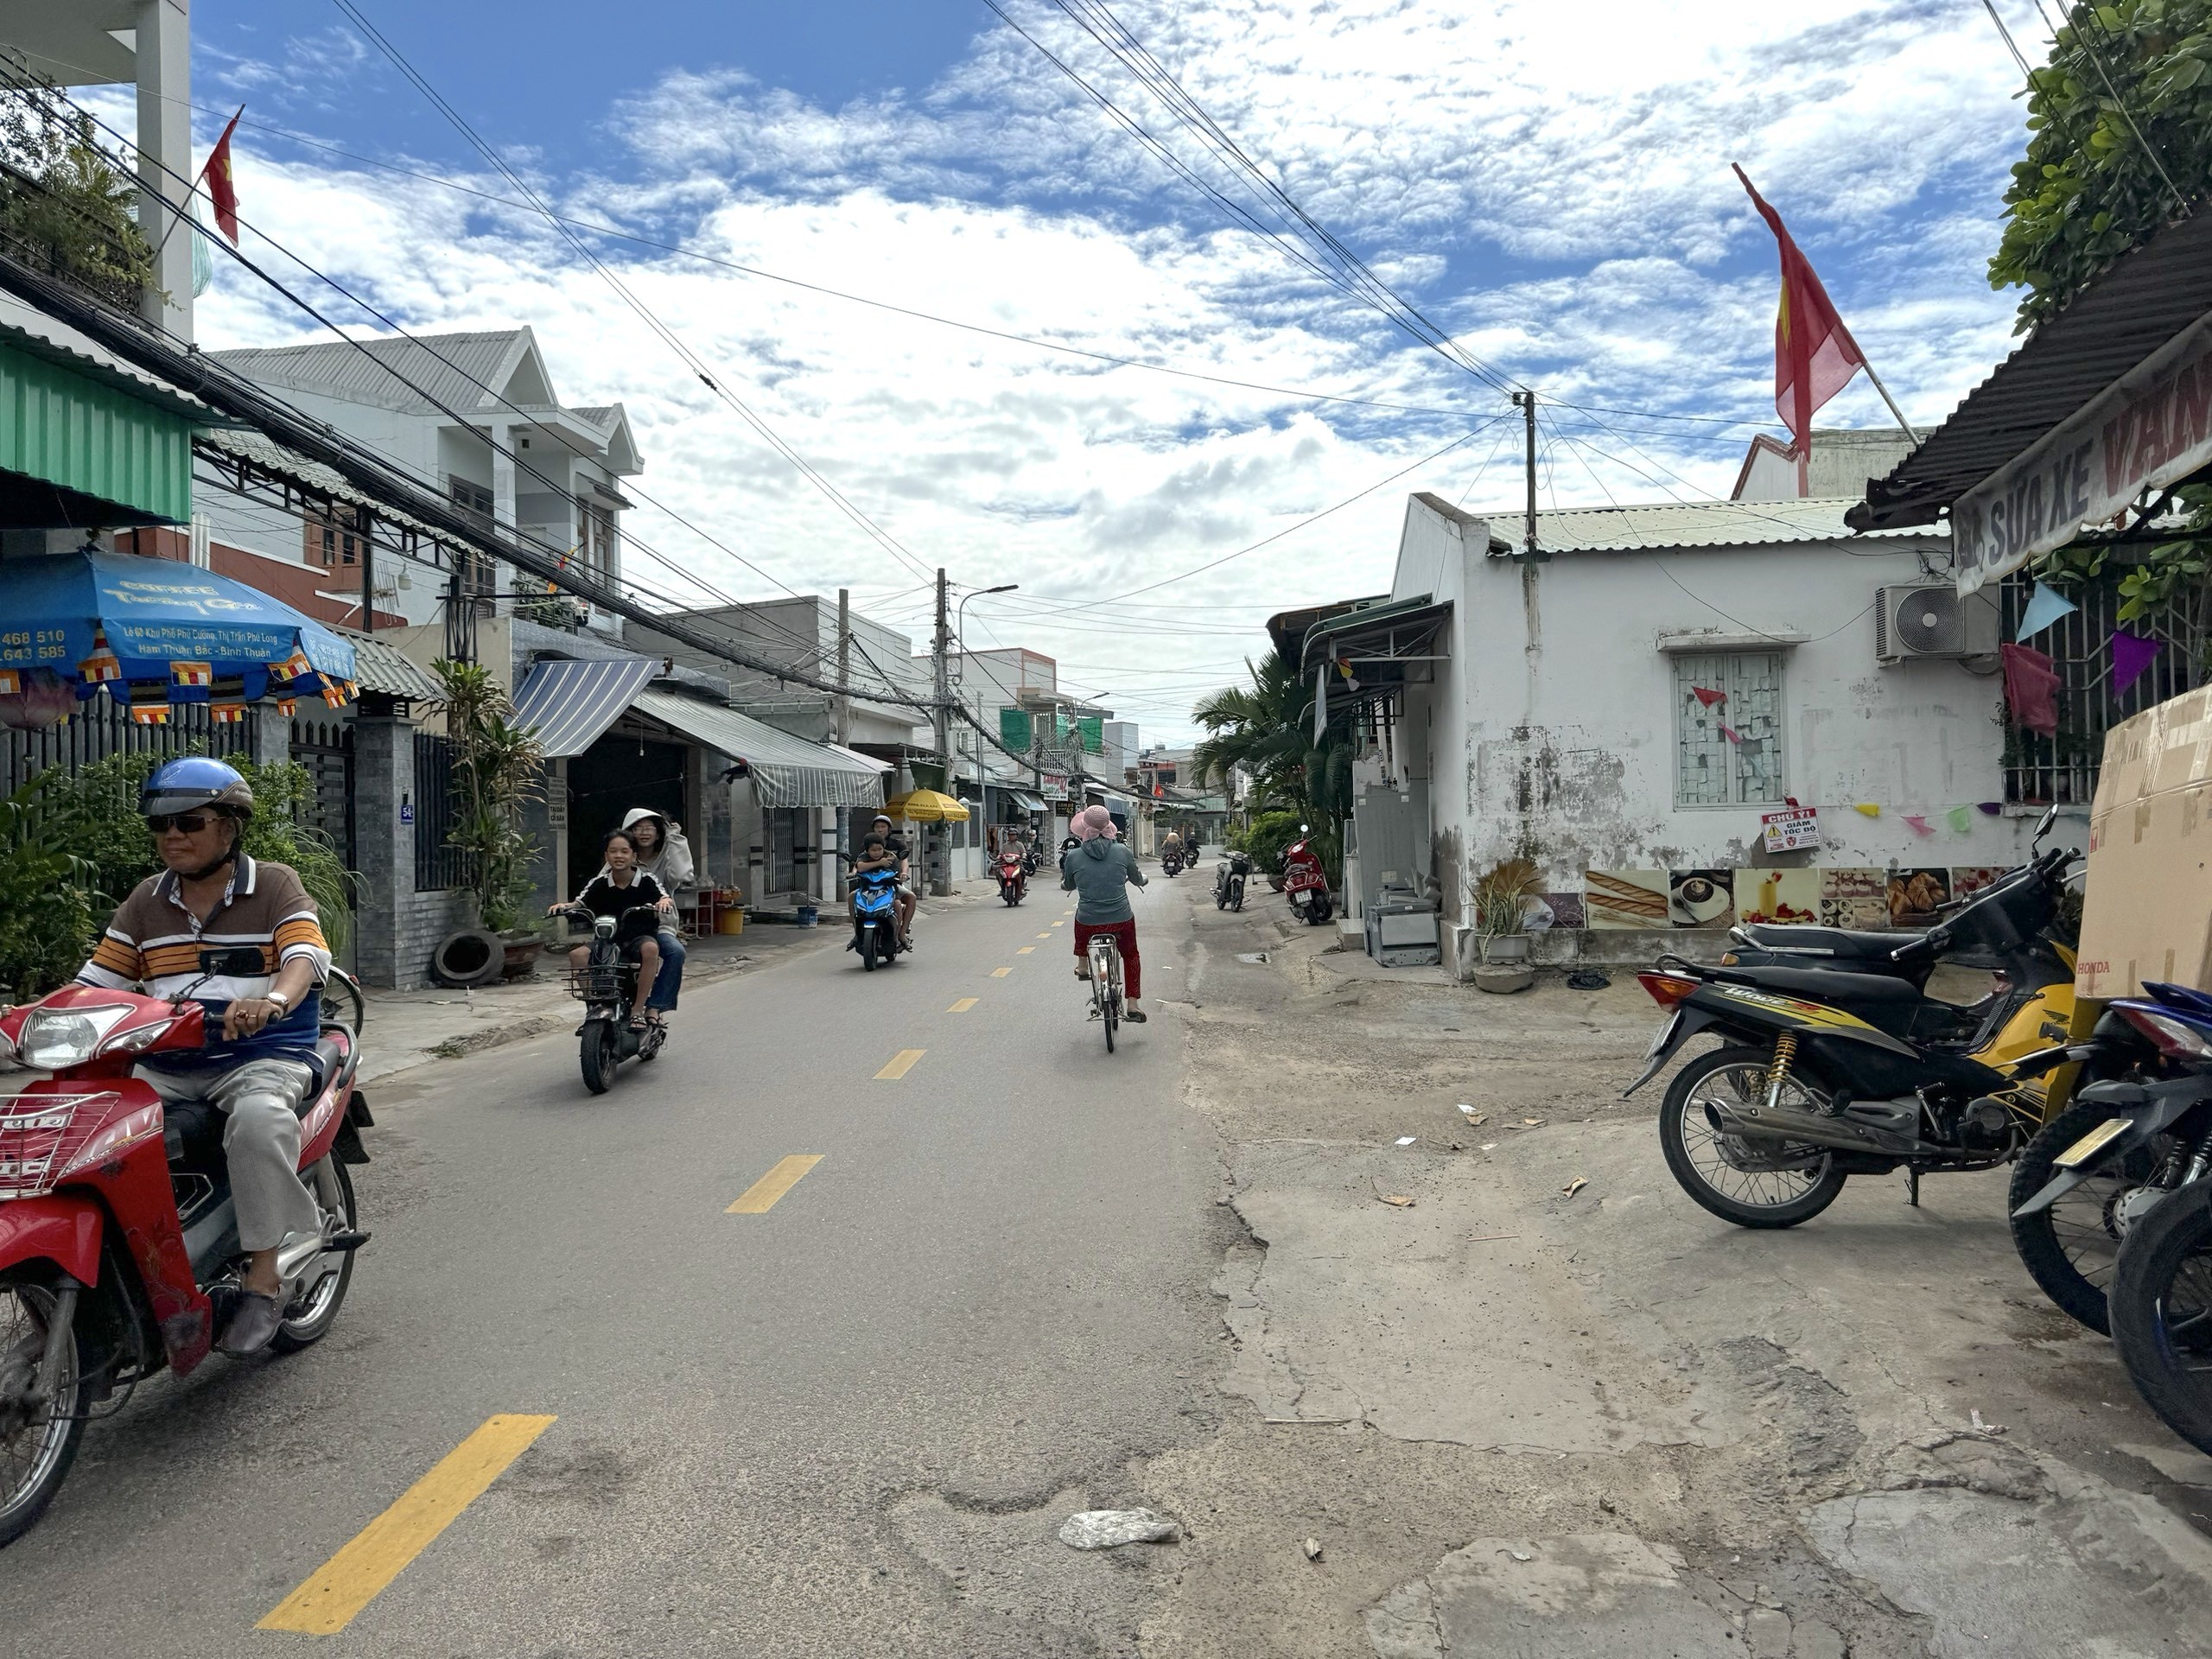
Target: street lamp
x=960, y=622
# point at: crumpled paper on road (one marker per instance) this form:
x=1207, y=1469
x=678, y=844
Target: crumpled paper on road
x=1106, y=1529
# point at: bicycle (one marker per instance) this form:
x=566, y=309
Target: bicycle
x=1106, y=984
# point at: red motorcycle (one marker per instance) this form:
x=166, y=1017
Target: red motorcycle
x=1303, y=879
x=119, y=1241
x=1013, y=877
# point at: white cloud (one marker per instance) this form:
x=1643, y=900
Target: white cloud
x=1550, y=181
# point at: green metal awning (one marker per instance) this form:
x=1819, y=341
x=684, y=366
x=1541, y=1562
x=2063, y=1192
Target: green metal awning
x=89, y=445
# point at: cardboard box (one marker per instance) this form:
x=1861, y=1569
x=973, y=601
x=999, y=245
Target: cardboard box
x=2146, y=913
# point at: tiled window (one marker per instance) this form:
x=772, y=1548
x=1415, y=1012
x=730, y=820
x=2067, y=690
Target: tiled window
x=1728, y=729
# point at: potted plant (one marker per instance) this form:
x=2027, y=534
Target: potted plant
x=497, y=768
x=1501, y=901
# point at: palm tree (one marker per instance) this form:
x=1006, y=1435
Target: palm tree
x=1267, y=729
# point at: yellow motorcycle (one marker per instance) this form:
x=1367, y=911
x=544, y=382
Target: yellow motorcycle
x=1844, y=1065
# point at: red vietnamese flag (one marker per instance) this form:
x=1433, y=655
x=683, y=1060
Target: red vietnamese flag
x=1814, y=355
x=222, y=194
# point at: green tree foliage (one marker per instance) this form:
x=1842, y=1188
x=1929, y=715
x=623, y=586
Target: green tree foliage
x=64, y=199
x=46, y=889
x=497, y=768
x=1266, y=729
x=2120, y=140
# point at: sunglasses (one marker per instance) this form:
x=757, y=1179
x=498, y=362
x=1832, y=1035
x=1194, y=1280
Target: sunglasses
x=190, y=824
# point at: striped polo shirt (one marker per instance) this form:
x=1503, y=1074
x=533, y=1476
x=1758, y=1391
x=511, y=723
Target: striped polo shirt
x=156, y=943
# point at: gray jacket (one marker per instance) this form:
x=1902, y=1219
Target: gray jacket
x=1099, y=873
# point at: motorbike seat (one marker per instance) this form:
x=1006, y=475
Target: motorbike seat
x=1840, y=942
x=1842, y=990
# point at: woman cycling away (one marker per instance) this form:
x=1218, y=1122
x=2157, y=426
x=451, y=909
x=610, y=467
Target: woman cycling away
x=618, y=887
x=1098, y=872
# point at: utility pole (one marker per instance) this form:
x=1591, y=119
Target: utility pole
x=941, y=870
x=844, y=702
x=1526, y=403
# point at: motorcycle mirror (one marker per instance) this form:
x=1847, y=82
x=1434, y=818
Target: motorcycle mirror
x=1304, y=830
x=2050, y=816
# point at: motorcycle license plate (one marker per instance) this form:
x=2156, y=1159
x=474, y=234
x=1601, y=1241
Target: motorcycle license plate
x=2093, y=1142
x=1665, y=1032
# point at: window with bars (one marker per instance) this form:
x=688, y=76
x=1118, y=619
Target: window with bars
x=2062, y=768
x=334, y=540
x=1728, y=728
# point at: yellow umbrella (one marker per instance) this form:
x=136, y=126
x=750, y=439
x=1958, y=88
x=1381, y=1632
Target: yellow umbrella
x=927, y=806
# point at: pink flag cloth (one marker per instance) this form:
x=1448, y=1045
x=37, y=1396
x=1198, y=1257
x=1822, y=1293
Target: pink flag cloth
x=1732, y=734
x=2030, y=688
x=1920, y=825
x=1708, y=698
x=2130, y=655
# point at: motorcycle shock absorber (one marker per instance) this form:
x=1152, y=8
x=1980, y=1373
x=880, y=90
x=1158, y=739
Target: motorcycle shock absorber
x=1785, y=1054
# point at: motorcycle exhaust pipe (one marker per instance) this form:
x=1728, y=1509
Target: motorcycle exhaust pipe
x=1784, y=1122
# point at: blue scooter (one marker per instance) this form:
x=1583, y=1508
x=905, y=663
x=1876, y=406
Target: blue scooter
x=875, y=917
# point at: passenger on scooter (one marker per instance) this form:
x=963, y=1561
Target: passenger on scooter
x=663, y=854
x=1099, y=872
x=210, y=896
x=619, y=887
x=1171, y=847
x=895, y=850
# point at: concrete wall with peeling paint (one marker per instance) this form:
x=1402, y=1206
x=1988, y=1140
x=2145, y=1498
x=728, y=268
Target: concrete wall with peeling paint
x=1550, y=732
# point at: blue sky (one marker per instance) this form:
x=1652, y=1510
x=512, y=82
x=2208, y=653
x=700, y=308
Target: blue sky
x=1550, y=184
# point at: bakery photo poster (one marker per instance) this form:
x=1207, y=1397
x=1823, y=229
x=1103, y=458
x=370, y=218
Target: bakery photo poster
x=1864, y=898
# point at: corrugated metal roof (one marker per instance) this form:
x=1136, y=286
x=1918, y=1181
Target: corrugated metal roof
x=1674, y=525
x=381, y=667
x=265, y=452
x=40, y=335
x=362, y=373
x=2120, y=319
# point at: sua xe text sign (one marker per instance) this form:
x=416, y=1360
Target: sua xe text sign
x=2148, y=429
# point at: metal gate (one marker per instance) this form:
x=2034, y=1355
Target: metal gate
x=101, y=728
x=324, y=748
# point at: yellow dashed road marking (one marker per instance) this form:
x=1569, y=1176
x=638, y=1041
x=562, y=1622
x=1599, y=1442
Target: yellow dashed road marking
x=1024, y=951
x=761, y=1197
x=901, y=1063
x=962, y=1005
x=1001, y=973
x=379, y=1553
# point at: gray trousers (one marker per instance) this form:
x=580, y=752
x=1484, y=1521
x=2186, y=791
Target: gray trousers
x=260, y=1103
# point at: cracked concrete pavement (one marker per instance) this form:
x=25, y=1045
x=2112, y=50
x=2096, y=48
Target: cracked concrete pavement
x=1523, y=1415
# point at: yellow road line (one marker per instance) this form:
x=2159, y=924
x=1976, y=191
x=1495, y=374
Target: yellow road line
x=1024, y=951
x=1044, y=936
x=901, y=1063
x=379, y=1553
x=761, y=1197
x=1001, y=973
x=962, y=1005
x=1059, y=924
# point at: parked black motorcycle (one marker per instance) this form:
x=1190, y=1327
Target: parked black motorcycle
x=1229, y=878
x=1825, y=1075
x=606, y=984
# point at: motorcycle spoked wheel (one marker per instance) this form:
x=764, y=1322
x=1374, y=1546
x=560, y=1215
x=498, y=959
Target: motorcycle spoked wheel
x=2161, y=1312
x=1731, y=1176
x=2072, y=1249
x=319, y=1302
x=600, y=1053
x=35, y=1456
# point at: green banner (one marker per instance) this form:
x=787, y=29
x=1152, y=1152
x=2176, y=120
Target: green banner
x=1094, y=734
x=1016, y=730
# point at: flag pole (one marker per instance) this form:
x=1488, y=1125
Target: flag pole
x=1887, y=399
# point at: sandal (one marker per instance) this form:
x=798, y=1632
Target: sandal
x=638, y=1022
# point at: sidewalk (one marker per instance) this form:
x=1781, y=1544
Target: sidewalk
x=410, y=1028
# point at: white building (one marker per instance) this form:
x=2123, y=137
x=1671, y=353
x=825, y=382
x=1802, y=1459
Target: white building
x=511, y=454
x=1638, y=700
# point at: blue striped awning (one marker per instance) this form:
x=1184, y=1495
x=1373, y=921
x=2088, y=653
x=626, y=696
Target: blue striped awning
x=571, y=702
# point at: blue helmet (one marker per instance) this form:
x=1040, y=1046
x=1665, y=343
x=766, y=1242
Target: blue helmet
x=195, y=781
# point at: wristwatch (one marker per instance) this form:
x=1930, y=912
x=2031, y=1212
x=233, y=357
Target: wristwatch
x=279, y=999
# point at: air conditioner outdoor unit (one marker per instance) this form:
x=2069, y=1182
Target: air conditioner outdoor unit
x=1933, y=620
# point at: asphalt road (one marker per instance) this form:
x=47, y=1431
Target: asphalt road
x=776, y=1433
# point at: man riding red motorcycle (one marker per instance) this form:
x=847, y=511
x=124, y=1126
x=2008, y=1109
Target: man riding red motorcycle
x=1013, y=872
x=155, y=1176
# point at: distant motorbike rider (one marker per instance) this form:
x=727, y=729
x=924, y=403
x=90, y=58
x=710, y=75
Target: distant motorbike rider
x=1171, y=848
x=666, y=855
x=1099, y=873
x=209, y=897
x=621, y=886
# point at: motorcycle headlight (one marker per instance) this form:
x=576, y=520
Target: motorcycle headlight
x=56, y=1039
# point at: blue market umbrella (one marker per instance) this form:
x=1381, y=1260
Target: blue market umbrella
x=155, y=633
